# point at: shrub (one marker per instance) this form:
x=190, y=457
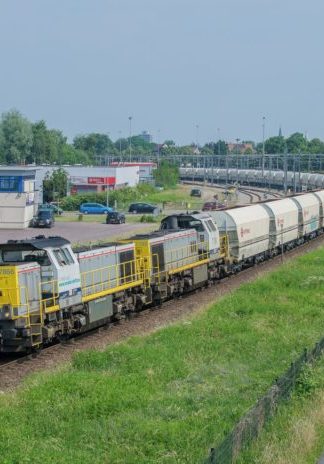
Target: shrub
x=148, y=218
x=122, y=197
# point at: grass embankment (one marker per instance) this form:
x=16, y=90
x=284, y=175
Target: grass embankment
x=178, y=198
x=170, y=396
x=296, y=434
x=101, y=218
x=121, y=198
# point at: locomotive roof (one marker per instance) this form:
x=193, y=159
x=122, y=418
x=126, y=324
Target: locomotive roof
x=81, y=248
x=36, y=243
x=155, y=234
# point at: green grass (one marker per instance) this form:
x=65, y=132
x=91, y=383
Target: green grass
x=170, y=396
x=296, y=434
x=100, y=218
x=179, y=194
x=177, y=198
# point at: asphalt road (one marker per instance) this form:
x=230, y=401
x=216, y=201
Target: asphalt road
x=80, y=231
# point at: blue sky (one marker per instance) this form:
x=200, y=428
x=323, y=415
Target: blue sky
x=87, y=66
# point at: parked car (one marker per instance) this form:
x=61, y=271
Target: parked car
x=44, y=218
x=115, y=218
x=95, y=208
x=209, y=206
x=195, y=193
x=143, y=208
x=56, y=209
x=212, y=206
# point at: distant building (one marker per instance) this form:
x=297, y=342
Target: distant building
x=18, y=196
x=239, y=147
x=145, y=170
x=146, y=136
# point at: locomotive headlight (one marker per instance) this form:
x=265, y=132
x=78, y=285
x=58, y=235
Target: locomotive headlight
x=47, y=221
x=5, y=312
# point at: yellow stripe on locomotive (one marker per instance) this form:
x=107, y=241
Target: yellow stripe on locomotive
x=164, y=253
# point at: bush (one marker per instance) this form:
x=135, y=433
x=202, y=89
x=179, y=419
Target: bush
x=307, y=381
x=122, y=197
x=148, y=218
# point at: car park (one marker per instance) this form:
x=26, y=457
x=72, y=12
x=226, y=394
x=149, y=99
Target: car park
x=94, y=208
x=115, y=218
x=44, y=218
x=143, y=208
x=195, y=193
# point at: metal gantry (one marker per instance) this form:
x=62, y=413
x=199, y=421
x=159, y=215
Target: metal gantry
x=303, y=162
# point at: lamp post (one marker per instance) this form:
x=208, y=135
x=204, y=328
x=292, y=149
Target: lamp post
x=107, y=193
x=218, y=132
x=130, y=137
x=158, y=147
x=119, y=133
x=263, y=131
x=237, y=153
x=197, y=132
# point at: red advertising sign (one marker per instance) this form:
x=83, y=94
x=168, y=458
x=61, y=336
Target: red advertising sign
x=110, y=180
x=96, y=180
x=102, y=180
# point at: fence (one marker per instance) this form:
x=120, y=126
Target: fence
x=250, y=426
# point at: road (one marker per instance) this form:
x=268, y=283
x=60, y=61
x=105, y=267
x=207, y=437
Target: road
x=78, y=232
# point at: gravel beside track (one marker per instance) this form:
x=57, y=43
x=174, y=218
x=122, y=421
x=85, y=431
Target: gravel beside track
x=13, y=372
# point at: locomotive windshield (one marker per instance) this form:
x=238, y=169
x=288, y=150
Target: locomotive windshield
x=25, y=256
x=190, y=223
x=182, y=222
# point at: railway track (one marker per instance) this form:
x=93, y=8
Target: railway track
x=254, y=194
x=13, y=371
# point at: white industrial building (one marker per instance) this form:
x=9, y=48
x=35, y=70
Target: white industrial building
x=88, y=179
x=21, y=187
x=145, y=169
x=18, y=197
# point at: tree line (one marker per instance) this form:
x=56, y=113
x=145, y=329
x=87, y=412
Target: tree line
x=25, y=142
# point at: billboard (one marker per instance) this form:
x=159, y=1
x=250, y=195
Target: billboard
x=102, y=180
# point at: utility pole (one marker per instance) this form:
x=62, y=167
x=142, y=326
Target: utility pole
x=130, y=137
x=197, y=132
x=119, y=133
x=263, y=132
x=237, y=153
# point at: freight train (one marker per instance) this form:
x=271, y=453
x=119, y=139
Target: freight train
x=50, y=291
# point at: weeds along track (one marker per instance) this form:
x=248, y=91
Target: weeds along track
x=13, y=371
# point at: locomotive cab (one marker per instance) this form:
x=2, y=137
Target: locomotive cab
x=60, y=283
x=205, y=226
x=37, y=277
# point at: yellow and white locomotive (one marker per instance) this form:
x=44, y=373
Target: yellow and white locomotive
x=50, y=291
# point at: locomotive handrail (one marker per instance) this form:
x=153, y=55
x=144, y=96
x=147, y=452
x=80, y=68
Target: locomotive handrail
x=50, y=303
x=187, y=255
x=110, y=277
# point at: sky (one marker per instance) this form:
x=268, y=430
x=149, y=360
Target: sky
x=186, y=70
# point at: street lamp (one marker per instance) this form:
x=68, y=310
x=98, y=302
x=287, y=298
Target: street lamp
x=197, y=131
x=263, y=130
x=119, y=133
x=158, y=146
x=218, y=132
x=130, y=137
x=237, y=153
